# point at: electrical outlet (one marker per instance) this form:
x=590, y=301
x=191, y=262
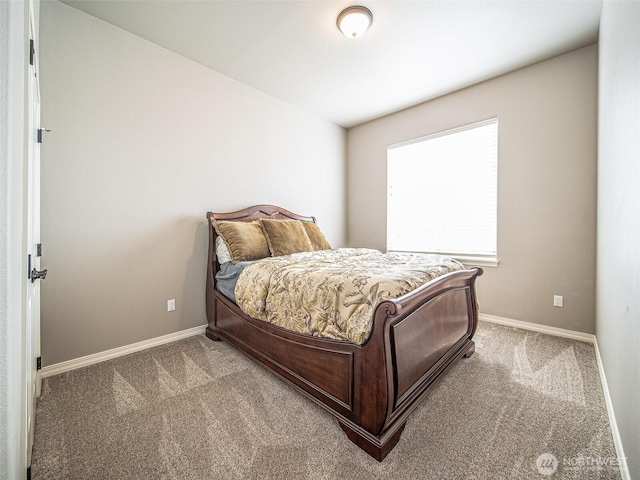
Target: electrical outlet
x=558, y=300
x=171, y=305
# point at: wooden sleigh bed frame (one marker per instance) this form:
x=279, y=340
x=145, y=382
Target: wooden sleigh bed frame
x=371, y=389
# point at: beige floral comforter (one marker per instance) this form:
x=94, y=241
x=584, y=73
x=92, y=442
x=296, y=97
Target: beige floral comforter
x=332, y=293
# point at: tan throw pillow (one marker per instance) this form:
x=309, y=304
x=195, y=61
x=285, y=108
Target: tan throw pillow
x=318, y=240
x=245, y=240
x=285, y=237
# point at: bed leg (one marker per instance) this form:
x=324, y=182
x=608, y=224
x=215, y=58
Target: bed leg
x=374, y=446
x=470, y=350
x=209, y=333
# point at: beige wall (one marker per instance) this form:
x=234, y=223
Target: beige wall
x=547, y=184
x=618, y=284
x=143, y=143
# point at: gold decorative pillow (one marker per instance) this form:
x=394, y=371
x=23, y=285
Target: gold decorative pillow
x=285, y=237
x=245, y=240
x=317, y=238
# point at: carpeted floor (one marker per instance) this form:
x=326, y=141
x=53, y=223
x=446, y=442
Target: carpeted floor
x=525, y=405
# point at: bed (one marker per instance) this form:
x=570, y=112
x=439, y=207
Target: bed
x=371, y=388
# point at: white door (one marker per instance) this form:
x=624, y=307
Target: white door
x=32, y=327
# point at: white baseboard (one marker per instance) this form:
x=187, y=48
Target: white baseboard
x=584, y=337
x=118, y=352
x=617, y=441
x=535, y=327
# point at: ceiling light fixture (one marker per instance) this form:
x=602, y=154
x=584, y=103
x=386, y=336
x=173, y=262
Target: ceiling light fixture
x=354, y=21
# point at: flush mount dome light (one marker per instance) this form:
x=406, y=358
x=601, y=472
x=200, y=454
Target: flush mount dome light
x=354, y=21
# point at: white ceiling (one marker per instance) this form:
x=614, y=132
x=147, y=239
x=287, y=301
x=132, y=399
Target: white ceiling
x=414, y=50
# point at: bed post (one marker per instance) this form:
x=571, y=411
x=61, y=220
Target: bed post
x=210, y=288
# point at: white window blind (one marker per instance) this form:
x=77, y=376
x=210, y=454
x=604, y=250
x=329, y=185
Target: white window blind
x=442, y=192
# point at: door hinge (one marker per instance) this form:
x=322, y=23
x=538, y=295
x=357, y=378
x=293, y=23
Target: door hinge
x=40, y=131
x=32, y=51
x=39, y=363
x=29, y=472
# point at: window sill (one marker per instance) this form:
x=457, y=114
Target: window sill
x=470, y=261
x=466, y=260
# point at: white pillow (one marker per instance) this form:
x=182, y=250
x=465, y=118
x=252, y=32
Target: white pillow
x=222, y=252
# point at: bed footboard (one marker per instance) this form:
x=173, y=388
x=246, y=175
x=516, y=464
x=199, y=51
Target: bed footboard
x=416, y=339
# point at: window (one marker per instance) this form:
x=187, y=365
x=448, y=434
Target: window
x=442, y=194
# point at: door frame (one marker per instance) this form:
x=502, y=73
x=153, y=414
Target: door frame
x=32, y=240
x=14, y=51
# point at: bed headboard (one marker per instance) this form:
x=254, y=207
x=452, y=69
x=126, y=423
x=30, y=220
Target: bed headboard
x=258, y=211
